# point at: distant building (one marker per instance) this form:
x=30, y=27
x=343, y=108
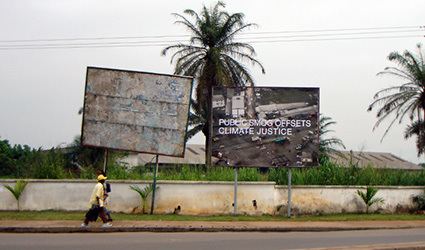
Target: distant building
x=374, y=159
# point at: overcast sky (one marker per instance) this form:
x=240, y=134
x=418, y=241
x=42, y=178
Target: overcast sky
x=41, y=90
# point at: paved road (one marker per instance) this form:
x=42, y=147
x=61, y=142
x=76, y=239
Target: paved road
x=200, y=241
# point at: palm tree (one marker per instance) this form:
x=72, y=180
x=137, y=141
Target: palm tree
x=144, y=194
x=328, y=145
x=368, y=197
x=213, y=56
x=417, y=129
x=17, y=190
x=407, y=99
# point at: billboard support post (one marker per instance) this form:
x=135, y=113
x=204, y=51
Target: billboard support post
x=235, y=192
x=155, y=172
x=210, y=128
x=105, y=160
x=289, y=192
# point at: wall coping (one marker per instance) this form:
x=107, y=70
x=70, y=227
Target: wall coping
x=142, y=181
x=345, y=187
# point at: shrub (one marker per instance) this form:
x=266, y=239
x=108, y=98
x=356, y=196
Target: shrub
x=144, y=194
x=368, y=197
x=419, y=200
x=17, y=190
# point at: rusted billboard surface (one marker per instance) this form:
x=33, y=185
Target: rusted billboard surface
x=266, y=126
x=136, y=111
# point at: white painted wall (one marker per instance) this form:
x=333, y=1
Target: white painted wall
x=205, y=198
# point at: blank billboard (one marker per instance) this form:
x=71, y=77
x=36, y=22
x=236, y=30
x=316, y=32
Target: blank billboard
x=136, y=111
x=266, y=126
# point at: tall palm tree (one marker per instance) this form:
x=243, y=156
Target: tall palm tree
x=328, y=145
x=213, y=56
x=407, y=99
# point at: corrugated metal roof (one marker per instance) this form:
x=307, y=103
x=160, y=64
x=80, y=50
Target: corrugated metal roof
x=195, y=154
x=374, y=159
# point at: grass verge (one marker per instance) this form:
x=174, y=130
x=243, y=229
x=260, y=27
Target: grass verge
x=61, y=215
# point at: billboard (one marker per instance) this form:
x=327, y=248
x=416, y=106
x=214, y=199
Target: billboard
x=266, y=126
x=136, y=111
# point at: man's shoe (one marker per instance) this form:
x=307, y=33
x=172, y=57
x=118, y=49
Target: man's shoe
x=84, y=225
x=106, y=225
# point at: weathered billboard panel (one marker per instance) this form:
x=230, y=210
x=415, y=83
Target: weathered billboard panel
x=266, y=126
x=136, y=111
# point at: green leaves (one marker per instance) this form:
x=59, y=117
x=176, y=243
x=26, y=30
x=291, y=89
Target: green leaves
x=327, y=145
x=211, y=53
x=144, y=193
x=17, y=190
x=368, y=197
x=406, y=99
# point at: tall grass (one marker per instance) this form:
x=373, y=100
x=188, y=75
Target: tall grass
x=332, y=174
x=52, y=165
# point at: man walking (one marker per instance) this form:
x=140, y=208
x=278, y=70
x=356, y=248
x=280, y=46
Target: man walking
x=96, y=204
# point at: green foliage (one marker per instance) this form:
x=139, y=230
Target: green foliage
x=48, y=165
x=84, y=157
x=17, y=190
x=328, y=144
x=333, y=174
x=212, y=55
x=201, y=173
x=20, y=161
x=144, y=194
x=368, y=197
x=23, y=162
x=248, y=174
x=419, y=200
x=396, y=103
x=14, y=161
x=118, y=172
x=220, y=173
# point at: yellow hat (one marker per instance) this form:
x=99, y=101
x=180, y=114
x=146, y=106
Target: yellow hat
x=101, y=177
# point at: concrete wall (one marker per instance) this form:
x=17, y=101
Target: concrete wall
x=342, y=199
x=205, y=197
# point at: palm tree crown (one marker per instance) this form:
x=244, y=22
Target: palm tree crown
x=407, y=98
x=212, y=55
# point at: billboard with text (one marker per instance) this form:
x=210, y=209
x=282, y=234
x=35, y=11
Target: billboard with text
x=266, y=126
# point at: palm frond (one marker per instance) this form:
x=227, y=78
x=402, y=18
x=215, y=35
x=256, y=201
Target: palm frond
x=17, y=190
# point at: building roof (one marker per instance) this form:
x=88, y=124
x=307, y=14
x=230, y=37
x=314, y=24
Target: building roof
x=195, y=154
x=374, y=159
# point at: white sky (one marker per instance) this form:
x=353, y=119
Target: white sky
x=41, y=90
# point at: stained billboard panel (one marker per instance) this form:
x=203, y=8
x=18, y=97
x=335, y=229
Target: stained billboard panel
x=266, y=126
x=136, y=111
